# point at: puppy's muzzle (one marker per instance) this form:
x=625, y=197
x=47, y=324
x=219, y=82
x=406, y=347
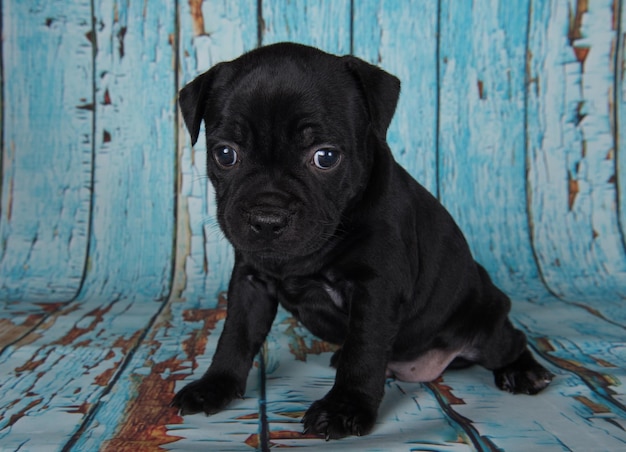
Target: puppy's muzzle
x=268, y=223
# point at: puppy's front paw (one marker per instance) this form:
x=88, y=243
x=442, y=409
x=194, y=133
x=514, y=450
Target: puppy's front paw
x=339, y=415
x=209, y=394
x=523, y=376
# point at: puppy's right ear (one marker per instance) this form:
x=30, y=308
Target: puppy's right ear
x=193, y=99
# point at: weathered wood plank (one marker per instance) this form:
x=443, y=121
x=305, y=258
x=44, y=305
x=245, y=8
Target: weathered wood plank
x=210, y=32
x=511, y=422
x=481, y=137
x=619, y=92
x=54, y=376
x=322, y=23
x=132, y=232
x=401, y=37
x=583, y=409
x=177, y=350
x=18, y=318
x=181, y=343
x=59, y=372
x=47, y=148
x=571, y=156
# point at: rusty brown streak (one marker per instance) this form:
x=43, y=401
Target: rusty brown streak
x=145, y=425
x=196, y=17
x=576, y=20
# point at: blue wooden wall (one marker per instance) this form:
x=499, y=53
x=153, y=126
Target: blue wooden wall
x=112, y=265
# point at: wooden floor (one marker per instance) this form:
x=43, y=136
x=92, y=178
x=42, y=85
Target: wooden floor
x=112, y=268
x=99, y=375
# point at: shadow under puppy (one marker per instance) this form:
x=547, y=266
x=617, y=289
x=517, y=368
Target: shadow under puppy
x=326, y=223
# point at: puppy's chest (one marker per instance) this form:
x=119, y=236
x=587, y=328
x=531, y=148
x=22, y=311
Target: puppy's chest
x=311, y=293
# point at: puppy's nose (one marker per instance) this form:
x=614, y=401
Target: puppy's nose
x=268, y=224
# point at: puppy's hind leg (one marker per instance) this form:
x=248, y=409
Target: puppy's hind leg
x=523, y=376
x=514, y=367
x=503, y=349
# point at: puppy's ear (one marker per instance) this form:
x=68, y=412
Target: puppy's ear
x=193, y=99
x=380, y=90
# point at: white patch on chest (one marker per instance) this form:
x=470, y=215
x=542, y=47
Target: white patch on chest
x=334, y=295
x=426, y=367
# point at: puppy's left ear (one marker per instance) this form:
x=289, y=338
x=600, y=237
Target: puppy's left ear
x=380, y=90
x=193, y=99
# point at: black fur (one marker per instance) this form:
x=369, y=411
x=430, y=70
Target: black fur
x=360, y=252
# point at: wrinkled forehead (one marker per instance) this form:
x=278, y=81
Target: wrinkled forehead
x=291, y=94
x=280, y=94
x=290, y=87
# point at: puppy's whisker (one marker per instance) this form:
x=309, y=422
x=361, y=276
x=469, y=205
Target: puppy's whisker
x=210, y=220
x=212, y=229
x=201, y=178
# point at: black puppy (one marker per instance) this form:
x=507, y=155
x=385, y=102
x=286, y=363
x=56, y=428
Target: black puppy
x=325, y=222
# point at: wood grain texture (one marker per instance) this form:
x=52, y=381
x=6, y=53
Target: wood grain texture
x=481, y=137
x=19, y=318
x=176, y=351
x=130, y=252
x=588, y=393
x=322, y=23
x=67, y=363
x=401, y=37
x=54, y=376
x=572, y=192
x=46, y=167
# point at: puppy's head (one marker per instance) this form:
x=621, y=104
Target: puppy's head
x=290, y=132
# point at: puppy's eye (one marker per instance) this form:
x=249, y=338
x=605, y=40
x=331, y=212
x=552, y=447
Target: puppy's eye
x=325, y=159
x=225, y=156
